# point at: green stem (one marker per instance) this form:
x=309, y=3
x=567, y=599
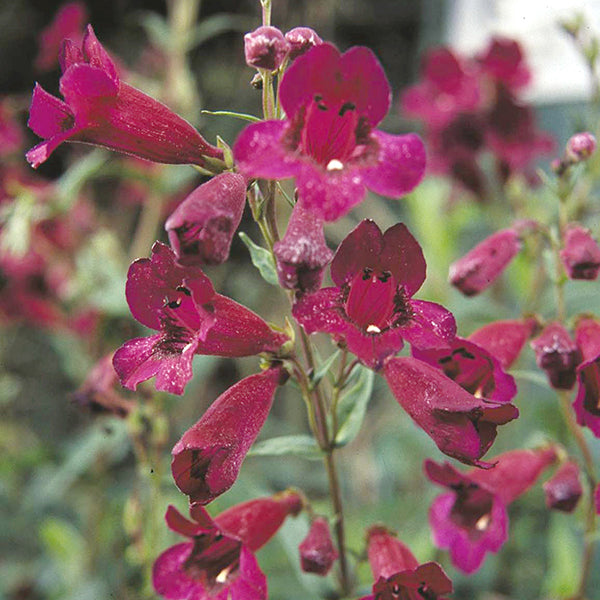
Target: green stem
x=147, y=226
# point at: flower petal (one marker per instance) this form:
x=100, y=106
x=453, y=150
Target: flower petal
x=431, y=326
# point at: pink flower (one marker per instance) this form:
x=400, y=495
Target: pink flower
x=558, y=355
x=191, y=318
x=302, y=254
x=587, y=400
x=265, y=48
x=398, y=574
x=68, y=22
x=580, y=254
x=504, y=61
x=471, y=519
x=208, y=457
x=580, y=147
x=218, y=562
x=482, y=265
x=372, y=309
x=201, y=228
x=462, y=425
x=100, y=109
x=317, y=552
x=301, y=40
x=11, y=136
x=563, y=490
x=473, y=368
x=333, y=103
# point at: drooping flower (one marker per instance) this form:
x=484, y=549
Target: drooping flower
x=100, y=109
x=201, y=228
x=580, y=254
x=504, y=339
x=473, y=368
x=557, y=354
x=218, y=562
x=484, y=263
x=371, y=308
x=191, y=318
x=302, y=254
x=471, y=519
x=587, y=400
x=462, y=425
x=265, y=48
x=68, y=23
x=333, y=103
x=563, y=490
x=398, y=574
x=317, y=552
x=301, y=40
x=209, y=455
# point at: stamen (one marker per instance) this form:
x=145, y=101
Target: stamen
x=172, y=303
x=183, y=289
x=335, y=165
x=346, y=107
x=222, y=576
x=373, y=329
x=482, y=523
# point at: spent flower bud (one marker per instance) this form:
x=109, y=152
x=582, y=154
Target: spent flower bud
x=563, y=490
x=317, y=552
x=265, y=48
x=581, y=253
x=301, y=39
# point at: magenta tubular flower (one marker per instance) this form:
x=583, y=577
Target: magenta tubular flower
x=473, y=368
x=563, y=490
x=448, y=88
x=462, y=425
x=317, y=552
x=265, y=48
x=580, y=147
x=69, y=23
x=580, y=254
x=302, y=254
x=301, y=40
x=504, y=339
x=372, y=309
x=201, y=228
x=333, y=103
x=482, y=265
x=218, y=562
x=587, y=400
x=100, y=109
x=208, y=457
x=181, y=304
x=98, y=392
x=471, y=519
x=503, y=60
x=558, y=355
x=398, y=574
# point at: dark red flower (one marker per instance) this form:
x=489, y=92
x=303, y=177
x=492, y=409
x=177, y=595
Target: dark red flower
x=208, y=457
x=563, y=490
x=558, y=355
x=333, y=103
x=471, y=519
x=504, y=62
x=218, y=562
x=317, y=552
x=398, y=574
x=201, y=228
x=372, y=309
x=302, y=254
x=462, y=425
x=587, y=400
x=191, y=318
x=301, y=40
x=265, y=48
x=101, y=109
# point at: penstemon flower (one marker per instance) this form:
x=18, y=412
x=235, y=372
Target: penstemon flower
x=328, y=142
x=101, y=109
x=587, y=400
x=317, y=552
x=563, y=490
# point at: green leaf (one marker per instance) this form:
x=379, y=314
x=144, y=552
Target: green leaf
x=77, y=175
x=324, y=369
x=532, y=376
x=285, y=445
x=215, y=25
x=353, y=405
x=564, y=559
x=229, y=113
x=262, y=259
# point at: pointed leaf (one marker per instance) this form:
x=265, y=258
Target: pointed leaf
x=262, y=259
x=295, y=445
x=353, y=405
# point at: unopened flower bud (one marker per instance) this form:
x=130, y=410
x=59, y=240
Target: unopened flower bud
x=558, y=355
x=265, y=48
x=201, y=228
x=300, y=40
x=581, y=254
x=564, y=490
x=580, y=146
x=317, y=552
